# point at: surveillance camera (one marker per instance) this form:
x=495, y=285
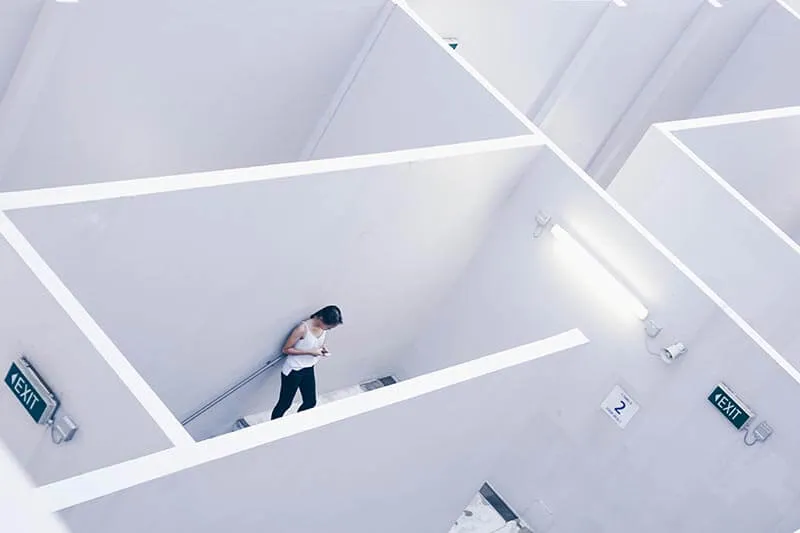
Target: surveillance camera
x=673, y=351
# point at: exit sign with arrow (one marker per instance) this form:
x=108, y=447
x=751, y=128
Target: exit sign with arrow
x=30, y=390
x=730, y=406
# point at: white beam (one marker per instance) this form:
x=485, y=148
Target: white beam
x=731, y=313
x=138, y=387
x=458, y=58
x=347, y=82
x=21, y=509
x=733, y=118
x=591, y=47
x=795, y=11
x=728, y=188
x=93, y=485
x=72, y=194
x=664, y=93
x=547, y=99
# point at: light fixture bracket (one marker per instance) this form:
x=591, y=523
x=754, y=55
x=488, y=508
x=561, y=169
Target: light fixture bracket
x=652, y=329
x=542, y=221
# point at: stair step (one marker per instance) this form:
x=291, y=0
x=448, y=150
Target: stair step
x=347, y=392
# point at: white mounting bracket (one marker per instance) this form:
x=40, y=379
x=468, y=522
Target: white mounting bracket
x=652, y=329
x=542, y=221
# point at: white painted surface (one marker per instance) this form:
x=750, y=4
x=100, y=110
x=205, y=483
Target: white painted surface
x=594, y=275
x=570, y=457
x=31, y=72
x=761, y=74
x=693, y=463
x=757, y=159
x=521, y=46
x=388, y=408
x=793, y=6
x=409, y=93
x=113, y=425
x=571, y=66
x=215, y=278
x=548, y=289
x=92, y=192
x=738, y=255
x=208, y=88
x=732, y=118
x=20, y=508
x=607, y=74
x=152, y=404
x=679, y=80
x=17, y=18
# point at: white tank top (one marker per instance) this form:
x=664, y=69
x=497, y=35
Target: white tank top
x=306, y=343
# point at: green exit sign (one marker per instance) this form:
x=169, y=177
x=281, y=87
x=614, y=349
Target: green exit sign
x=730, y=406
x=29, y=389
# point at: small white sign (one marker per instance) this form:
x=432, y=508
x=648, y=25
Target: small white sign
x=619, y=406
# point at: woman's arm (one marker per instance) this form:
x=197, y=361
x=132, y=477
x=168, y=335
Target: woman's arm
x=296, y=335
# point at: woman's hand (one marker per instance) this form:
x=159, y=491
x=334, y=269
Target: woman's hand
x=317, y=352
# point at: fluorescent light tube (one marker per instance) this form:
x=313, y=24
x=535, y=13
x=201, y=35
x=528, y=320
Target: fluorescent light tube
x=602, y=281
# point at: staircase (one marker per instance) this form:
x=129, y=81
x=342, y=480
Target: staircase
x=258, y=418
x=488, y=513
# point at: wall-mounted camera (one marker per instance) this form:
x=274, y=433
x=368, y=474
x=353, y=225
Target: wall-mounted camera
x=673, y=351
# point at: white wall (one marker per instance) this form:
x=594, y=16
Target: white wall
x=678, y=466
x=679, y=81
x=17, y=18
x=518, y=289
x=761, y=74
x=572, y=67
x=739, y=257
x=609, y=72
x=757, y=159
x=212, y=86
x=411, y=466
x=113, y=425
x=20, y=508
x=214, y=279
x=520, y=46
x=408, y=92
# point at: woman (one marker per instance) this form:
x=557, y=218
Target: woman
x=303, y=348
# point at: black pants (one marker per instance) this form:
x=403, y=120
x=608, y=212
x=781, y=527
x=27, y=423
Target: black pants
x=297, y=379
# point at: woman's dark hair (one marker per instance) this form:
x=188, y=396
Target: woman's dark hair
x=330, y=315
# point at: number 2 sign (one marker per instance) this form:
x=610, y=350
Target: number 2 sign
x=619, y=406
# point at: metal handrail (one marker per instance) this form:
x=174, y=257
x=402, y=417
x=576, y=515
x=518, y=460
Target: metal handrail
x=233, y=388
